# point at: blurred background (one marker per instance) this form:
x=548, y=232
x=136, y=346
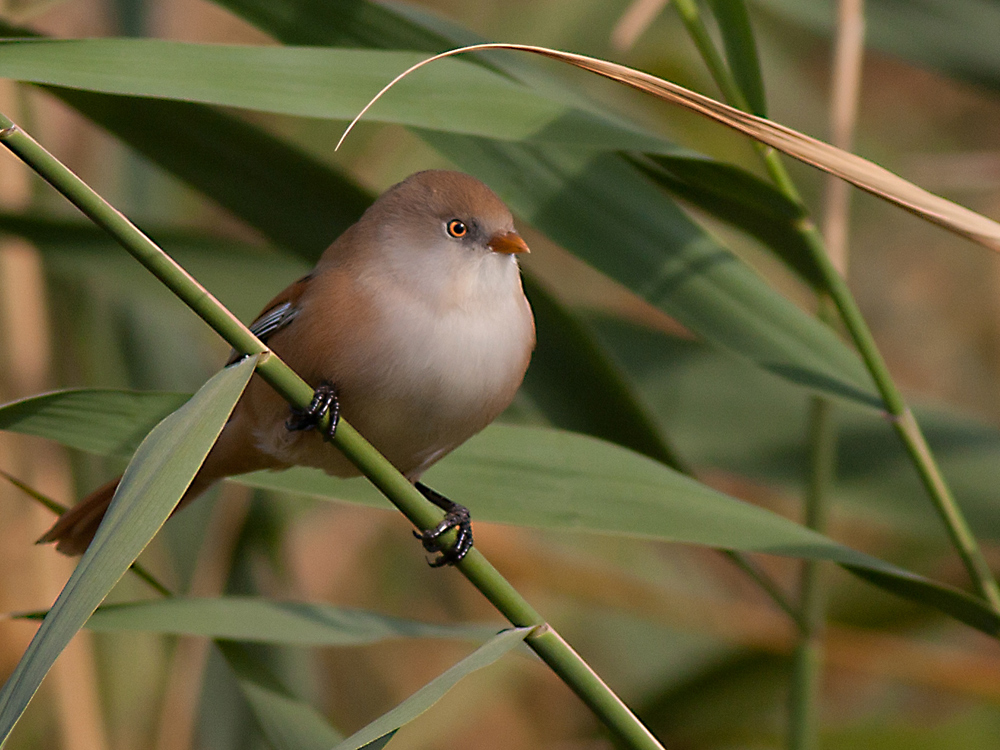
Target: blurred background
x=681, y=634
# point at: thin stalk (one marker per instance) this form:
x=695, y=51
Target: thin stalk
x=710, y=55
x=807, y=660
x=695, y=25
x=848, y=59
x=905, y=424
x=902, y=418
x=58, y=508
x=767, y=585
x=543, y=640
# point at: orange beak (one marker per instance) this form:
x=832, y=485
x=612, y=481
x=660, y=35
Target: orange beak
x=509, y=242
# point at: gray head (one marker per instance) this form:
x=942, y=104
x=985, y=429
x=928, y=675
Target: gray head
x=442, y=234
x=442, y=209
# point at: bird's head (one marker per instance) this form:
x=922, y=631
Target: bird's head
x=448, y=233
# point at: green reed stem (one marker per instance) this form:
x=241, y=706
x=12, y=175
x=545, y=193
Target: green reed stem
x=905, y=424
x=902, y=418
x=560, y=657
x=807, y=660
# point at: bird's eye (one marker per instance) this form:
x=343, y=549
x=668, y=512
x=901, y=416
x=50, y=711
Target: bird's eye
x=457, y=228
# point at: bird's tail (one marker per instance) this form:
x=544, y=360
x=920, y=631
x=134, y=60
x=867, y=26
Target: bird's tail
x=233, y=453
x=75, y=528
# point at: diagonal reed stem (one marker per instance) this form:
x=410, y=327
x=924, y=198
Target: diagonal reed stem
x=902, y=418
x=905, y=425
x=545, y=641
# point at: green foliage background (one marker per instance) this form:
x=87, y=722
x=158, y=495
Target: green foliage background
x=687, y=640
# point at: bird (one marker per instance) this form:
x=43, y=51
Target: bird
x=413, y=326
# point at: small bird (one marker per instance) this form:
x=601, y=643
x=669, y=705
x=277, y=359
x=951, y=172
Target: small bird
x=413, y=325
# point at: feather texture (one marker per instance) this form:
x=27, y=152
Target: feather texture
x=425, y=334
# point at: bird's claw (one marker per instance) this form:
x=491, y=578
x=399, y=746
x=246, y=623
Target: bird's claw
x=325, y=400
x=456, y=517
x=459, y=520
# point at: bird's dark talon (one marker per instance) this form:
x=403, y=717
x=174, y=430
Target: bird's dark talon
x=456, y=517
x=325, y=400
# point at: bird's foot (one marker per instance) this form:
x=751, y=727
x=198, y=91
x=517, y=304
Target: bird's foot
x=325, y=401
x=456, y=517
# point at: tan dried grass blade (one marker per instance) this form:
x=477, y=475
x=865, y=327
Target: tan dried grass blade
x=855, y=170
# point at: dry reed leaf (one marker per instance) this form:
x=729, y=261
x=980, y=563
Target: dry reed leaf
x=855, y=170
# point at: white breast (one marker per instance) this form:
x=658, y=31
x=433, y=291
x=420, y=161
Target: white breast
x=459, y=357
x=424, y=378
x=444, y=372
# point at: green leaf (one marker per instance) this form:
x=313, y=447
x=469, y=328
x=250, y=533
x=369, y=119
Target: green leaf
x=268, y=621
x=741, y=200
x=230, y=160
x=287, y=722
x=578, y=387
x=433, y=691
x=545, y=478
x=453, y=95
x=559, y=480
x=381, y=742
x=345, y=23
x=289, y=194
x=154, y=482
x=737, y=418
x=741, y=51
x=106, y=422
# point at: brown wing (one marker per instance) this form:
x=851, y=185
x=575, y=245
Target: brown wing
x=277, y=314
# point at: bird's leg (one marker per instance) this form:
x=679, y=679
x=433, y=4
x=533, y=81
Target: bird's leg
x=324, y=401
x=456, y=517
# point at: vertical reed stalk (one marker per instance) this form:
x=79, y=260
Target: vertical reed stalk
x=807, y=667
